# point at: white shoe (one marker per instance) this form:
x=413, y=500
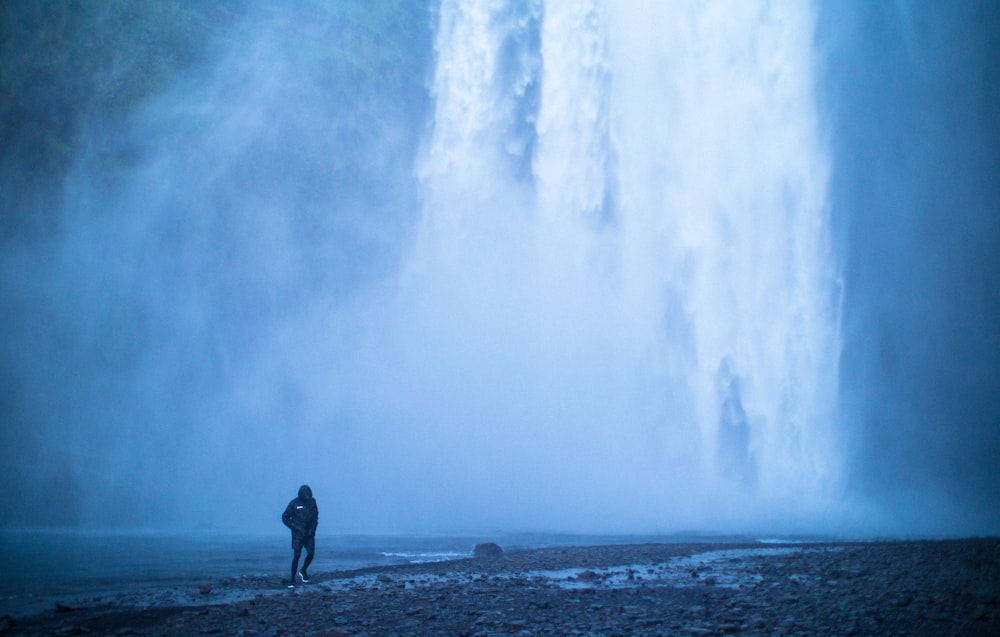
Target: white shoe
x=302, y=578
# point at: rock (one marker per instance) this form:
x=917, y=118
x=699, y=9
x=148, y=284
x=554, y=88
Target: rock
x=205, y=589
x=488, y=549
x=64, y=608
x=514, y=595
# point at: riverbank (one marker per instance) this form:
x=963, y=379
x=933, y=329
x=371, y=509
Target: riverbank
x=915, y=588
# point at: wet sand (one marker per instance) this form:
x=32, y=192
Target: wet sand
x=873, y=588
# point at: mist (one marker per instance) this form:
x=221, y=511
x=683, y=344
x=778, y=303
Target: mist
x=912, y=94
x=483, y=266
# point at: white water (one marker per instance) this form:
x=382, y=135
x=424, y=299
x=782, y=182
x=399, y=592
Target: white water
x=620, y=312
x=613, y=311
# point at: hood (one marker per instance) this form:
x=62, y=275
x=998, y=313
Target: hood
x=305, y=492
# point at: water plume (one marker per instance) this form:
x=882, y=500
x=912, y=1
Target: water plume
x=506, y=265
x=621, y=308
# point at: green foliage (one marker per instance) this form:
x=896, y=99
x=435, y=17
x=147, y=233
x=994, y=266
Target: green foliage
x=66, y=65
x=379, y=39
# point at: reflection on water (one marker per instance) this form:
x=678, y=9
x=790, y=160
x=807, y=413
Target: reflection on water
x=42, y=566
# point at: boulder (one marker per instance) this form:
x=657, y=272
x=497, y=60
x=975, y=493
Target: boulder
x=488, y=549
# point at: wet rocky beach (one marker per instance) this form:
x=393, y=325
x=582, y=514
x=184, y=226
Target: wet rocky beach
x=873, y=588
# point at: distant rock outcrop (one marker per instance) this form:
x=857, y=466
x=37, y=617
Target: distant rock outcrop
x=488, y=549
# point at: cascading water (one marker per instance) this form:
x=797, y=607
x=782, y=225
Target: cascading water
x=623, y=277
x=512, y=265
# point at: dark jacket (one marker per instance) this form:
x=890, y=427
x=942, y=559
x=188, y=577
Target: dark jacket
x=302, y=515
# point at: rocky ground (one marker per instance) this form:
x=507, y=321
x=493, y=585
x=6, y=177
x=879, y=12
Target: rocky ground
x=881, y=588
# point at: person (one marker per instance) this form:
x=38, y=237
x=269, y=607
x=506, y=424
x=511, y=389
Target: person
x=302, y=516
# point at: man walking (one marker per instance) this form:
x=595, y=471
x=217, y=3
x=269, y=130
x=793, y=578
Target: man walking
x=302, y=516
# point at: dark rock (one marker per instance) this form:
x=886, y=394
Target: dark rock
x=64, y=608
x=205, y=589
x=916, y=588
x=488, y=549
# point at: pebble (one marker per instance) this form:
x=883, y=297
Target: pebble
x=914, y=588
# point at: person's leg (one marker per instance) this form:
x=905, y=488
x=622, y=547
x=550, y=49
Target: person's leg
x=310, y=545
x=295, y=562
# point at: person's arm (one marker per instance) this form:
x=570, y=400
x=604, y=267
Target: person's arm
x=288, y=517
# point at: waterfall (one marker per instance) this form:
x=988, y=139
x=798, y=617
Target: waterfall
x=623, y=275
x=724, y=177
x=477, y=265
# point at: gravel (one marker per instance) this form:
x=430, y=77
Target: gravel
x=949, y=587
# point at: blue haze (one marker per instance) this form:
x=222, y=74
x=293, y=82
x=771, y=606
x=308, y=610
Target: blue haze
x=246, y=281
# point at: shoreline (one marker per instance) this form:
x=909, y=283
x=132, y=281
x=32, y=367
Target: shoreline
x=937, y=587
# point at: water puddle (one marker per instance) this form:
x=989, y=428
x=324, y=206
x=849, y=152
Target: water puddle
x=727, y=568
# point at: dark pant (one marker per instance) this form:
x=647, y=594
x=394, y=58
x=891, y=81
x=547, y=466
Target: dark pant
x=299, y=542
